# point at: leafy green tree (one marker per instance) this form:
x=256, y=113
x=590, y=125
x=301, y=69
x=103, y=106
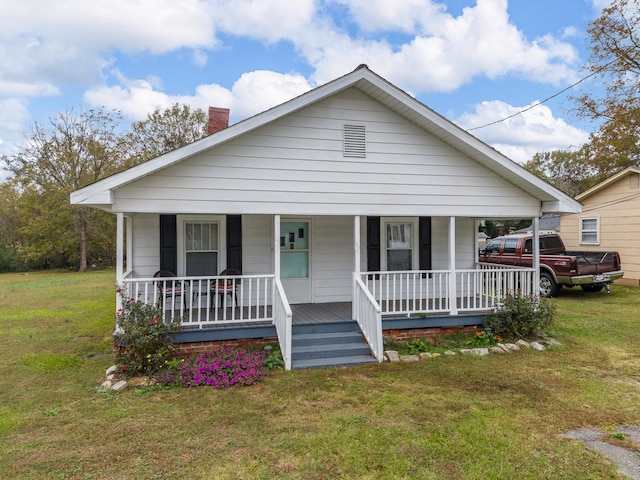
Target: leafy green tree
x=73, y=150
x=615, y=62
x=9, y=222
x=569, y=171
x=164, y=131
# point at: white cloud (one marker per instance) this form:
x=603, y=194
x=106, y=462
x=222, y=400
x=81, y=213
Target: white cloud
x=521, y=136
x=252, y=93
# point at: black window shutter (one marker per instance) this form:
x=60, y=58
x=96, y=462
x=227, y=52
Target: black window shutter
x=234, y=242
x=373, y=244
x=424, y=243
x=168, y=243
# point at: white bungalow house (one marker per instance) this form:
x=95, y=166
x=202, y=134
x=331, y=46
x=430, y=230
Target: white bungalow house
x=352, y=205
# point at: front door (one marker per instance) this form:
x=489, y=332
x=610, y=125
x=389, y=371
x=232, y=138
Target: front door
x=295, y=261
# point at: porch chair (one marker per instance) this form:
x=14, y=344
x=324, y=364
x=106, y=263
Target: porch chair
x=169, y=288
x=226, y=286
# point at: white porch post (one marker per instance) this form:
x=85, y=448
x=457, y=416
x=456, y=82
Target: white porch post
x=119, y=248
x=535, y=243
x=276, y=245
x=356, y=263
x=453, y=303
x=119, y=257
x=128, y=267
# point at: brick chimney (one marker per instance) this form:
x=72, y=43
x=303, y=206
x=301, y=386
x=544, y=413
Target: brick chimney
x=218, y=119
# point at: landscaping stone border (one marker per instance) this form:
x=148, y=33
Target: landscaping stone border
x=499, y=348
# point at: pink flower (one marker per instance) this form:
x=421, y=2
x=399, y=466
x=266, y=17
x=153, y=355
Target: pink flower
x=154, y=320
x=118, y=290
x=132, y=299
x=124, y=368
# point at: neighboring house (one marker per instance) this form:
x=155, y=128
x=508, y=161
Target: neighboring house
x=351, y=202
x=610, y=220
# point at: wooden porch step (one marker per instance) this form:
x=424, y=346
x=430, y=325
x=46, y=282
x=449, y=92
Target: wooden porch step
x=329, y=345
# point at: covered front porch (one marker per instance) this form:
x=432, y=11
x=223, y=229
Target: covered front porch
x=434, y=298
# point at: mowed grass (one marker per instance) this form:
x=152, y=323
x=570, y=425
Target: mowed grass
x=457, y=417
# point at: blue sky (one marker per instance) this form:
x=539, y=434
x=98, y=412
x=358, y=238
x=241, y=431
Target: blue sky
x=473, y=61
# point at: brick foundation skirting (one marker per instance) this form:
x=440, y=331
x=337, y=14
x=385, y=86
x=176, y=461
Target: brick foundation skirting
x=186, y=349
x=399, y=335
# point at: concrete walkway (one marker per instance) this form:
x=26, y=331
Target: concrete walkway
x=627, y=461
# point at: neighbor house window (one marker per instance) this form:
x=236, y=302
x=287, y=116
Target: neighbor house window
x=201, y=248
x=399, y=246
x=590, y=230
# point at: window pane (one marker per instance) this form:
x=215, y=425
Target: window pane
x=214, y=237
x=202, y=263
x=206, y=229
x=589, y=224
x=589, y=237
x=294, y=264
x=197, y=236
x=510, y=245
x=399, y=235
x=399, y=260
x=189, y=236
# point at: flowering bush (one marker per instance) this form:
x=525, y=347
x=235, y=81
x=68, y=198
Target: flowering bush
x=483, y=339
x=144, y=338
x=521, y=315
x=222, y=368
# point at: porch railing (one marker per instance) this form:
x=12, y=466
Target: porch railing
x=282, y=319
x=205, y=301
x=369, y=317
x=424, y=292
x=409, y=292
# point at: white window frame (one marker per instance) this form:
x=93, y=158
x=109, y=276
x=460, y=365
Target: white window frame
x=413, y=221
x=590, y=231
x=182, y=220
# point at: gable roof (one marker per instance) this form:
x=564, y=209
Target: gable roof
x=100, y=194
x=609, y=181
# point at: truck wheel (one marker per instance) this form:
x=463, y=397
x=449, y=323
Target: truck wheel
x=548, y=287
x=592, y=288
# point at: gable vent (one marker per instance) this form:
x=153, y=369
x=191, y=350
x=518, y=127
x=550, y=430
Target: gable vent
x=354, y=141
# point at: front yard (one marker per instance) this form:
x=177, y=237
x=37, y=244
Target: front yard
x=499, y=416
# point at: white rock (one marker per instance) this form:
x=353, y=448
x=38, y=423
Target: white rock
x=537, y=346
x=120, y=386
x=449, y=353
x=551, y=342
x=410, y=358
x=106, y=384
x=480, y=351
x=391, y=355
x=424, y=355
x=503, y=347
x=497, y=350
x=112, y=369
x=522, y=343
x=512, y=347
x=465, y=351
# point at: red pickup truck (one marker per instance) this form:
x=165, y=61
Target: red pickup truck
x=593, y=271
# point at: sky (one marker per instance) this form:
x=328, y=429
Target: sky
x=473, y=61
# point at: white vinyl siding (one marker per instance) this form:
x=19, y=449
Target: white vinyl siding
x=589, y=230
x=295, y=166
x=146, y=245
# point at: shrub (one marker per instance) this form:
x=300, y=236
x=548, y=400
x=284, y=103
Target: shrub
x=520, y=315
x=145, y=339
x=225, y=367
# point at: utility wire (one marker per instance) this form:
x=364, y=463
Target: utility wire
x=545, y=100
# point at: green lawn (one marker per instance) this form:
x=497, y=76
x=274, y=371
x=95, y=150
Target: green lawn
x=453, y=417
